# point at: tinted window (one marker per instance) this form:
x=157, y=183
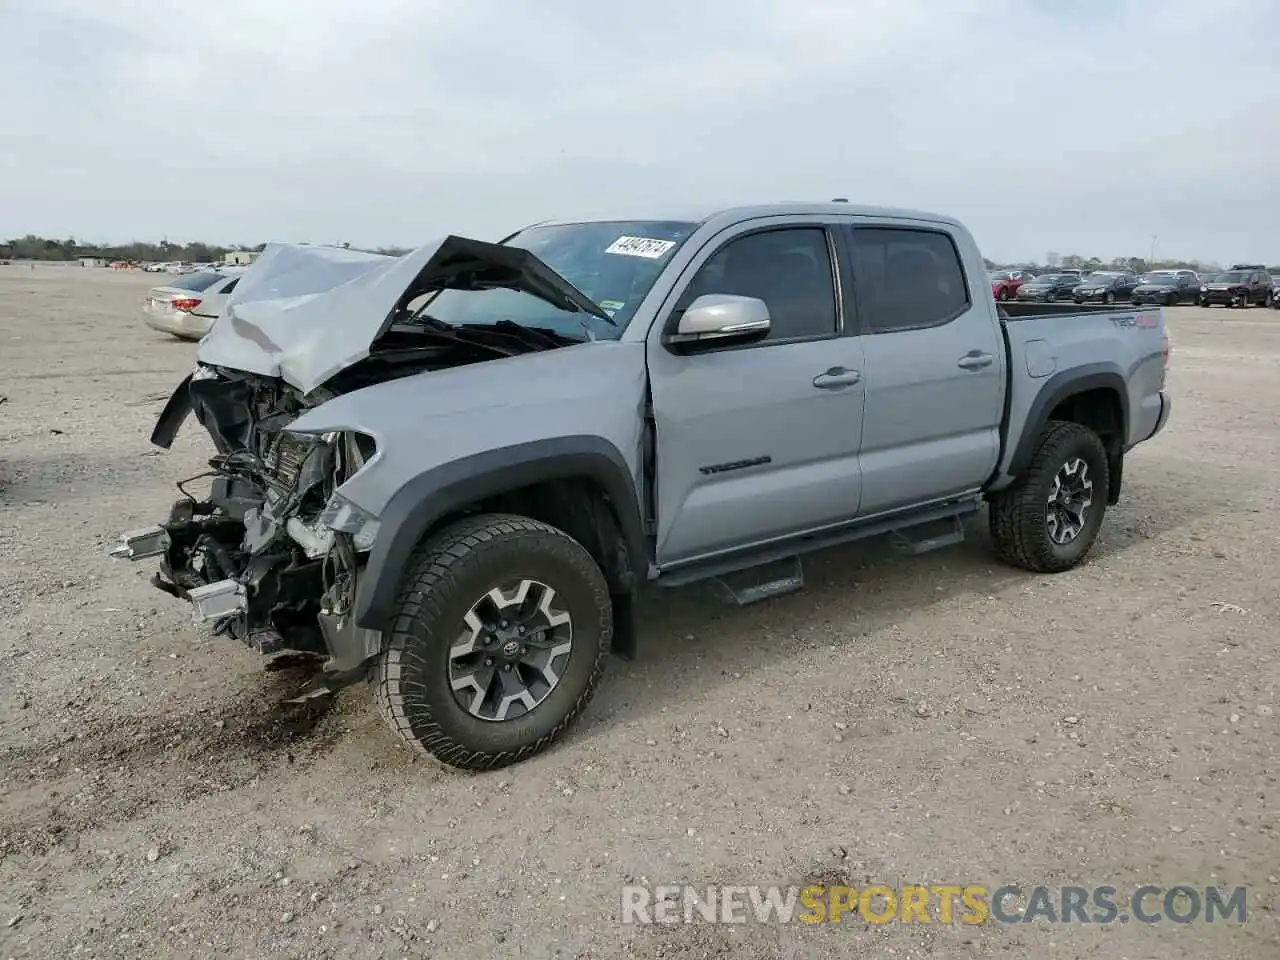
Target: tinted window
x=907, y=278
x=790, y=270
x=231, y=286
x=194, y=281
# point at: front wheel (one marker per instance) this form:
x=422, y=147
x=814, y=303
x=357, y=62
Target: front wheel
x=1004, y=294
x=1110, y=298
x=501, y=633
x=1050, y=518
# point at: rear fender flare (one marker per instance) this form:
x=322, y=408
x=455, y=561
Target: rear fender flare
x=1063, y=386
x=450, y=487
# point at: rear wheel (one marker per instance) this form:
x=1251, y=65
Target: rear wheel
x=1049, y=520
x=500, y=637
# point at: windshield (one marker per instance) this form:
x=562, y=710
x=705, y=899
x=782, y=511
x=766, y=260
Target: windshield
x=613, y=262
x=1100, y=277
x=1054, y=277
x=1231, y=276
x=195, y=282
x=1159, y=279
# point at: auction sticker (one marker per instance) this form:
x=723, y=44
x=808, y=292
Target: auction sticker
x=645, y=247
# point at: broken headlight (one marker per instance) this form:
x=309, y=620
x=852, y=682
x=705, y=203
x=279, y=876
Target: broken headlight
x=342, y=515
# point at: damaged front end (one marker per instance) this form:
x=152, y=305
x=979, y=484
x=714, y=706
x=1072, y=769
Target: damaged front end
x=272, y=556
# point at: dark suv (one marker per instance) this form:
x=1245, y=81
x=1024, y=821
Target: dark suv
x=1239, y=287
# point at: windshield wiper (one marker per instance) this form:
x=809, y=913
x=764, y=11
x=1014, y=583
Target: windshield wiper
x=433, y=326
x=532, y=336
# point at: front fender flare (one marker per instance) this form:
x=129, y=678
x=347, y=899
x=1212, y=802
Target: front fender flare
x=447, y=488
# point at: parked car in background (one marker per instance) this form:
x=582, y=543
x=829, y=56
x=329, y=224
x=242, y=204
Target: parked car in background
x=1105, y=286
x=1238, y=288
x=1166, y=287
x=187, y=305
x=1005, y=283
x=1049, y=287
x=1275, y=291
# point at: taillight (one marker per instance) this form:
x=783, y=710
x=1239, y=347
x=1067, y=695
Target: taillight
x=185, y=303
x=1164, y=350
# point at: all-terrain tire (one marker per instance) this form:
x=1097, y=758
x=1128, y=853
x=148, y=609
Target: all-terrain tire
x=1017, y=516
x=448, y=574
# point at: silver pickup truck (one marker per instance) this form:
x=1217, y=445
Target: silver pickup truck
x=452, y=472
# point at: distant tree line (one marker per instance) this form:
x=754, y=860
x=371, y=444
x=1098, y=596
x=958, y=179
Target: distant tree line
x=32, y=247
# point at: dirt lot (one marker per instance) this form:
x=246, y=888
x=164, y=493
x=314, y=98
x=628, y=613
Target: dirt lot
x=941, y=719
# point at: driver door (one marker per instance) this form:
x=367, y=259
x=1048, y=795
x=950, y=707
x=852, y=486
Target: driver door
x=758, y=442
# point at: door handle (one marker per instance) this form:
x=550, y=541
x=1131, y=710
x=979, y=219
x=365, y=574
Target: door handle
x=835, y=378
x=975, y=360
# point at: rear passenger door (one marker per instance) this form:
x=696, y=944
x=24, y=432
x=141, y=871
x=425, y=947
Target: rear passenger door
x=757, y=442
x=934, y=368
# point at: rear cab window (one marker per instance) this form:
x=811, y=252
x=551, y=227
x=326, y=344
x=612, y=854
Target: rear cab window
x=906, y=278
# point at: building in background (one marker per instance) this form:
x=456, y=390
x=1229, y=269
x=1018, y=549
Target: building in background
x=239, y=258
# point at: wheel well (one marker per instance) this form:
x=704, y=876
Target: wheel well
x=1100, y=410
x=577, y=505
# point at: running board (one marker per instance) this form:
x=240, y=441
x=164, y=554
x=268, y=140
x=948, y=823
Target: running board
x=760, y=583
x=717, y=568
x=928, y=536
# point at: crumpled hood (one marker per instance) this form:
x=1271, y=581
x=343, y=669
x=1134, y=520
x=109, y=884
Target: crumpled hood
x=305, y=313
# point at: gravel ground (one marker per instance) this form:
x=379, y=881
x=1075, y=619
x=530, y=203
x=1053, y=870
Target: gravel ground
x=901, y=720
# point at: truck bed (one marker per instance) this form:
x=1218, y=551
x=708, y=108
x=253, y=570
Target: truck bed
x=1117, y=348
x=1013, y=310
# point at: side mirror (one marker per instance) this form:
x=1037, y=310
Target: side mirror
x=721, y=319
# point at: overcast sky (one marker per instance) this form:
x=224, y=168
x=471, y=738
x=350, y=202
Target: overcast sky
x=1081, y=126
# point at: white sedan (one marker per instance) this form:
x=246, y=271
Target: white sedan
x=187, y=305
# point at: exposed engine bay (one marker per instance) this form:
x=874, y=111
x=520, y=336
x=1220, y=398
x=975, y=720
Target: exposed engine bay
x=256, y=557
x=272, y=554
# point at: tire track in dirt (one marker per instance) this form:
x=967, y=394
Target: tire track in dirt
x=56, y=790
